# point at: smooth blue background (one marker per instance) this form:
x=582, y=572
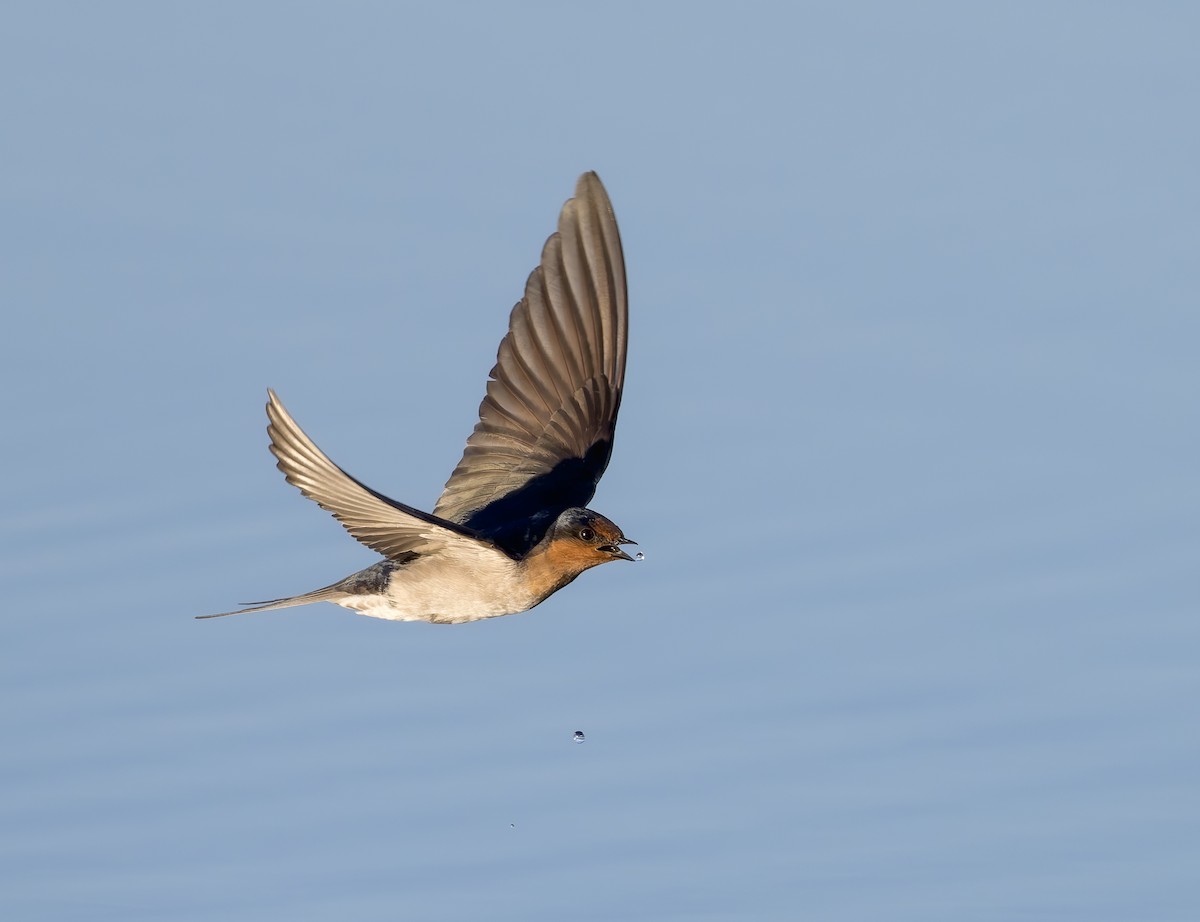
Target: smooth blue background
x=909, y=440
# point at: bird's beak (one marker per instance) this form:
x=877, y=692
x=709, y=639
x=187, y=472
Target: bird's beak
x=617, y=552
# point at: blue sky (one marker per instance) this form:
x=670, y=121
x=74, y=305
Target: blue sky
x=908, y=440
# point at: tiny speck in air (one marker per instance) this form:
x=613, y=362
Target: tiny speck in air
x=579, y=737
x=639, y=556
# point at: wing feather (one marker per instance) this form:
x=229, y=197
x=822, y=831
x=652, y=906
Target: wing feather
x=382, y=524
x=546, y=424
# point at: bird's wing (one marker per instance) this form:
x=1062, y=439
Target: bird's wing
x=384, y=525
x=545, y=428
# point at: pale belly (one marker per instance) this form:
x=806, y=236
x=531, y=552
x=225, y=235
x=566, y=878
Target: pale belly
x=446, y=590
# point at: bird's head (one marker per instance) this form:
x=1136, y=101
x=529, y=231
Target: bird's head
x=588, y=538
x=578, y=540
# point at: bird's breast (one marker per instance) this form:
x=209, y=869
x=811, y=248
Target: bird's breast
x=448, y=588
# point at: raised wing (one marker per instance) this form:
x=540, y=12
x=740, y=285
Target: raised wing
x=545, y=428
x=384, y=525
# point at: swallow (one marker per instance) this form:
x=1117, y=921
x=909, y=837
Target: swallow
x=511, y=527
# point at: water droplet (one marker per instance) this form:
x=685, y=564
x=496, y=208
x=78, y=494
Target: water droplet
x=579, y=737
x=639, y=556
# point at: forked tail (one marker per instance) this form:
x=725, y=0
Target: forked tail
x=328, y=594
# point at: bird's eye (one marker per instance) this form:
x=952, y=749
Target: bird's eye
x=586, y=534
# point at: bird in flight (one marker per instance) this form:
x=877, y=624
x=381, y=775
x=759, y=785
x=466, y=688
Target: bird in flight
x=511, y=527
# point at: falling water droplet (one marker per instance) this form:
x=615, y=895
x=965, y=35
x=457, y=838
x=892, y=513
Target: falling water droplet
x=639, y=556
x=579, y=737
